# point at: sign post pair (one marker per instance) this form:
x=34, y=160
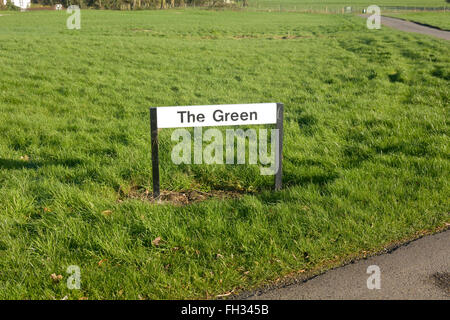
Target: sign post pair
x=216, y=115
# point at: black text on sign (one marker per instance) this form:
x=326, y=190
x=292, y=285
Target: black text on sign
x=220, y=115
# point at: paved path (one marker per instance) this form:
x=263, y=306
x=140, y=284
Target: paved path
x=418, y=270
x=412, y=27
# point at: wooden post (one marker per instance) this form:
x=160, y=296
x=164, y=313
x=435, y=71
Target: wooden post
x=155, y=156
x=279, y=147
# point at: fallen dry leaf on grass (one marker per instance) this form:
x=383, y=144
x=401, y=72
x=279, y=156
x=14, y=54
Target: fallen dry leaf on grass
x=56, y=278
x=102, y=261
x=156, y=241
x=225, y=294
x=107, y=213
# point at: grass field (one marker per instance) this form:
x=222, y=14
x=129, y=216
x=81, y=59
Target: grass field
x=366, y=159
x=440, y=20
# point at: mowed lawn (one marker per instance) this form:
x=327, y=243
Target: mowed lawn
x=439, y=20
x=366, y=158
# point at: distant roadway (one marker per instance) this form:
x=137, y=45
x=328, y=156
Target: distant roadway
x=408, y=26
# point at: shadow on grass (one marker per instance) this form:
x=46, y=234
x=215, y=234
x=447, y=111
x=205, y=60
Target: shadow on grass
x=9, y=164
x=321, y=180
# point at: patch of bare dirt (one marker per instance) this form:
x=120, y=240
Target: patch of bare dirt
x=141, y=30
x=180, y=198
x=245, y=37
x=288, y=37
x=264, y=37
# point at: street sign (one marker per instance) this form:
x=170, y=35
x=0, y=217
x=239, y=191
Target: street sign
x=215, y=115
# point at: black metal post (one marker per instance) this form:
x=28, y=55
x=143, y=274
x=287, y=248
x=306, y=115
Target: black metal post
x=279, y=147
x=155, y=156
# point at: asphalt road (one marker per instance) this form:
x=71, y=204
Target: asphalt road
x=418, y=270
x=408, y=26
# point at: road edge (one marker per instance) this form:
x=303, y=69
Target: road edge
x=416, y=22
x=297, y=277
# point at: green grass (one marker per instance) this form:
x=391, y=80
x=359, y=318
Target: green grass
x=366, y=158
x=440, y=20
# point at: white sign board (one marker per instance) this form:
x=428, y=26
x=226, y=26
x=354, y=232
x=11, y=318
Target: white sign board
x=217, y=115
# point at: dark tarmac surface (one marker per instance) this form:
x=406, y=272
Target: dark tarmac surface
x=408, y=26
x=418, y=270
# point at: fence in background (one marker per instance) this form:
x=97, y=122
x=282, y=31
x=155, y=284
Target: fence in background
x=251, y=5
x=334, y=9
